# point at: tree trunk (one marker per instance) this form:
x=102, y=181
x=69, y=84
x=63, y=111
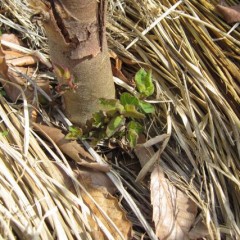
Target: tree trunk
x=77, y=41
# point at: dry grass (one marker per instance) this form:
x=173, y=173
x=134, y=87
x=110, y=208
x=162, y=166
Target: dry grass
x=194, y=55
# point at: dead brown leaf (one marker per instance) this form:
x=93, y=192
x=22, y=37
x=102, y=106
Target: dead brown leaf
x=3, y=64
x=12, y=54
x=71, y=148
x=11, y=76
x=199, y=231
x=12, y=38
x=143, y=153
x=117, y=73
x=117, y=69
x=16, y=77
x=96, y=179
x=230, y=14
x=173, y=211
x=111, y=207
x=19, y=59
x=12, y=92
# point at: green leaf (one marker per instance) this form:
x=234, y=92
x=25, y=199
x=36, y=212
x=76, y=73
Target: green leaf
x=98, y=135
x=114, y=125
x=132, y=138
x=144, y=82
x=74, y=133
x=127, y=98
x=98, y=119
x=135, y=126
x=108, y=103
x=146, y=107
x=111, y=106
x=133, y=130
x=131, y=111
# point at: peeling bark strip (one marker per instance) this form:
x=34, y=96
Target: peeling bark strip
x=83, y=35
x=56, y=11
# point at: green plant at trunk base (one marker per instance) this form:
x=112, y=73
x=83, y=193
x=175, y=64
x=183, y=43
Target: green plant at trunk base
x=120, y=118
x=74, y=133
x=64, y=75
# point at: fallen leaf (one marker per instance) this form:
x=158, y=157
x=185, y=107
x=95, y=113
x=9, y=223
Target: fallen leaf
x=19, y=59
x=113, y=210
x=173, y=211
x=143, y=153
x=15, y=76
x=12, y=54
x=230, y=14
x=3, y=64
x=118, y=62
x=12, y=38
x=71, y=148
x=117, y=69
x=12, y=92
x=199, y=231
x=151, y=157
x=117, y=73
x=95, y=179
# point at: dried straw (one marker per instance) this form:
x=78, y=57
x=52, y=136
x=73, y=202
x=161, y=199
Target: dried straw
x=194, y=58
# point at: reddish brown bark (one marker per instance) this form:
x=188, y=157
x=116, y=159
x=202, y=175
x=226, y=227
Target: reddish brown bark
x=76, y=35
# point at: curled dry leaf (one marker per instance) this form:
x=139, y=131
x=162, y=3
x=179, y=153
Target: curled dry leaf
x=12, y=92
x=146, y=154
x=113, y=210
x=15, y=75
x=19, y=59
x=198, y=231
x=96, y=179
x=173, y=211
x=230, y=14
x=143, y=154
x=12, y=38
x=71, y=148
x=14, y=57
x=118, y=73
x=117, y=69
x=3, y=64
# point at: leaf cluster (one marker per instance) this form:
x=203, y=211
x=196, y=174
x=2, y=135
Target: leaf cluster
x=120, y=118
